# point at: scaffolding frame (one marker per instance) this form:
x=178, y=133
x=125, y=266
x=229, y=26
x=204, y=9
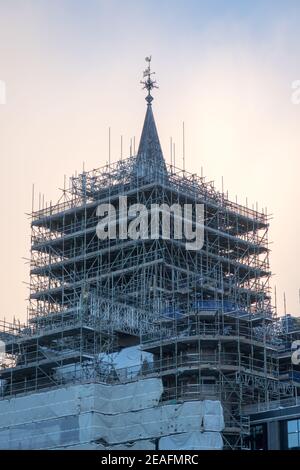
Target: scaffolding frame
x=91, y=297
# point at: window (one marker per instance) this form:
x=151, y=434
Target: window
x=293, y=434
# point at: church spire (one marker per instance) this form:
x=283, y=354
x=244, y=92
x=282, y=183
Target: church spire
x=150, y=159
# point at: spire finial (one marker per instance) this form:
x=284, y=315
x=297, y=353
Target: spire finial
x=148, y=83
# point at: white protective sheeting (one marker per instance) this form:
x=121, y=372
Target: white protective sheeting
x=128, y=361
x=133, y=396
x=98, y=415
x=148, y=423
x=42, y=406
x=213, y=419
x=145, y=424
x=108, y=399
x=192, y=441
x=130, y=357
x=126, y=364
x=48, y=434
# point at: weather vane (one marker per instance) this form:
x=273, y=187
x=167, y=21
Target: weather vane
x=148, y=83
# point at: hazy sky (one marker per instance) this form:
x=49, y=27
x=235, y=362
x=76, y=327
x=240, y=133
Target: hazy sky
x=72, y=68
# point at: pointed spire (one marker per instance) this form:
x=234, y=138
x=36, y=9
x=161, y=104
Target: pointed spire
x=150, y=160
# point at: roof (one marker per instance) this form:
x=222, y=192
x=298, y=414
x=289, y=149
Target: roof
x=150, y=161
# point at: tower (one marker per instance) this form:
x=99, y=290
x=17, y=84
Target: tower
x=205, y=315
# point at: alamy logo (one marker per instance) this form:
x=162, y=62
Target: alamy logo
x=2, y=92
x=179, y=222
x=295, y=97
x=296, y=352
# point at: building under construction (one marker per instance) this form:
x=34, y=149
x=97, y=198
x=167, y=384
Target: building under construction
x=207, y=350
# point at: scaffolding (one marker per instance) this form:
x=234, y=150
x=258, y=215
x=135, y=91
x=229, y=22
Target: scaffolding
x=205, y=315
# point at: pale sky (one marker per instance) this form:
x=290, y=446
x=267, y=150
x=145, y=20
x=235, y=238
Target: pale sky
x=72, y=69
